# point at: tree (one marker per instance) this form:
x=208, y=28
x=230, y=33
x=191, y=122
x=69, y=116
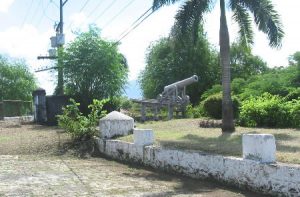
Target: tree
x=93, y=68
x=16, y=81
x=265, y=17
x=243, y=63
x=294, y=60
x=175, y=58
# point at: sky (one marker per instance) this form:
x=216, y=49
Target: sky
x=27, y=25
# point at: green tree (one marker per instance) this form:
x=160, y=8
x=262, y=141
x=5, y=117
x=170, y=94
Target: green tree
x=295, y=60
x=243, y=63
x=175, y=58
x=265, y=17
x=93, y=68
x=16, y=81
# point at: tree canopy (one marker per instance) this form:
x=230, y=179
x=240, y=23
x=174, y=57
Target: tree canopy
x=16, y=81
x=172, y=59
x=93, y=68
x=266, y=18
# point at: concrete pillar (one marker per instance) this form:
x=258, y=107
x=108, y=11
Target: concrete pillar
x=143, y=137
x=170, y=111
x=259, y=147
x=143, y=112
x=1, y=111
x=39, y=103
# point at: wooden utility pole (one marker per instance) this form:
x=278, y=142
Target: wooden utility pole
x=58, y=42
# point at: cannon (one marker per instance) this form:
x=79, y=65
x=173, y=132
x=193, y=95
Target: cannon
x=175, y=95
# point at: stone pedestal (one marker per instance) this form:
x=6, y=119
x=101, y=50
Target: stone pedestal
x=259, y=147
x=143, y=137
x=39, y=101
x=115, y=124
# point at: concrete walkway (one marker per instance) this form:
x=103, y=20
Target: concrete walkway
x=67, y=176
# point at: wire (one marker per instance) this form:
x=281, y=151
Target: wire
x=43, y=14
x=96, y=7
x=136, y=21
x=27, y=14
x=105, y=10
x=36, y=10
x=120, y=12
x=69, y=26
x=84, y=5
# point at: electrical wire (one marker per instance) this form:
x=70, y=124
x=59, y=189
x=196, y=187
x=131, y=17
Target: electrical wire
x=105, y=10
x=136, y=23
x=118, y=14
x=25, y=18
x=43, y=14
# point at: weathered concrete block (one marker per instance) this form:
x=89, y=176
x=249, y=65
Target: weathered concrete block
x=259, y=147
x=143, y=137
x=115, y=124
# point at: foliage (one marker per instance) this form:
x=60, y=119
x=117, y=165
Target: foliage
x=295, y=60
x=214, y=90
x=293, y=94
x=190, y=16
x=175, y=58
x=93, y=68
x=243, y=63
x=212, y=106
x=16, y=81
x=126, y=103
x=269, y=111
x=81, y=127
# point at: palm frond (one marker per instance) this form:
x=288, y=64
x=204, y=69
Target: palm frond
x=189, y=16
x=266, y=18
x=158, y=3
x=242, y=17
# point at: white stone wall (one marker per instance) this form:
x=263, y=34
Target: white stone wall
x=276, y=179
x=115, y=124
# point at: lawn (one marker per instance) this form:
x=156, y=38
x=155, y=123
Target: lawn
x=187, y=135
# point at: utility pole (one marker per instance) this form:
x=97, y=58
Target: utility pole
x=57, y=42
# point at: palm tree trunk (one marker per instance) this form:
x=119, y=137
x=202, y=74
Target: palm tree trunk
x=227, y=109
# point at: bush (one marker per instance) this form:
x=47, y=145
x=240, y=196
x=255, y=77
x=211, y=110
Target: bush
x=193, y=112
x=81, y=127
x=126, y=104
x=294, y=94
x=212, y=106
x=266, y=111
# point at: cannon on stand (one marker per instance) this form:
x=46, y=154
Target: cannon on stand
x=175, y=95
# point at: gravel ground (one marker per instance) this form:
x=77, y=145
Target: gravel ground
x=37, y=161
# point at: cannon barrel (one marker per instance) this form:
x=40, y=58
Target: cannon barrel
x=182, y=83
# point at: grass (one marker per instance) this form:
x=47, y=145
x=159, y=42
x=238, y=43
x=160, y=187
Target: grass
x=187, y=135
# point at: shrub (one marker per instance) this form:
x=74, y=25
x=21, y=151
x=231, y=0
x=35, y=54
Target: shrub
x=81, y=127
x=193, y=112
x=294, y=94
x=126, y=104
x=265, y=111
x=212, y=106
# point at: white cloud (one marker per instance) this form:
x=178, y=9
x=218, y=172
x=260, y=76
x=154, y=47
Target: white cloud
x=28, y=43
x=5, y=5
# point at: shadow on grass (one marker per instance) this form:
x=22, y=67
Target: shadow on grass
x=226, y=144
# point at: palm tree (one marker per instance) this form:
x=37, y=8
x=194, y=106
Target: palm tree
x=265, y=17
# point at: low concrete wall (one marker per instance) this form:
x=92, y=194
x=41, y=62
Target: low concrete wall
x=275, y=179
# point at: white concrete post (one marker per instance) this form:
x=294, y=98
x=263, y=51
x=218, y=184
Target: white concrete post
x=143, y=137
x=259, y=147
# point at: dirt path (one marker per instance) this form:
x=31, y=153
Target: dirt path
x=31, y=166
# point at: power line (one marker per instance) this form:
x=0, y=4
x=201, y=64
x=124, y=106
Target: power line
x=105, y=10
x=36, y=10
x=84, y=5
x=120, y=12
x=27, y=14
x=43, y=14
x=79, y=12
x=96, y=7
x=136, y=23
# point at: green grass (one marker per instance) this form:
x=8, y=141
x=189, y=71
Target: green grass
x=187, y=135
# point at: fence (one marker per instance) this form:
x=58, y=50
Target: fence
x=11, y=108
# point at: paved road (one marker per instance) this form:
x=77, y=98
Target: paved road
x=65, y=176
